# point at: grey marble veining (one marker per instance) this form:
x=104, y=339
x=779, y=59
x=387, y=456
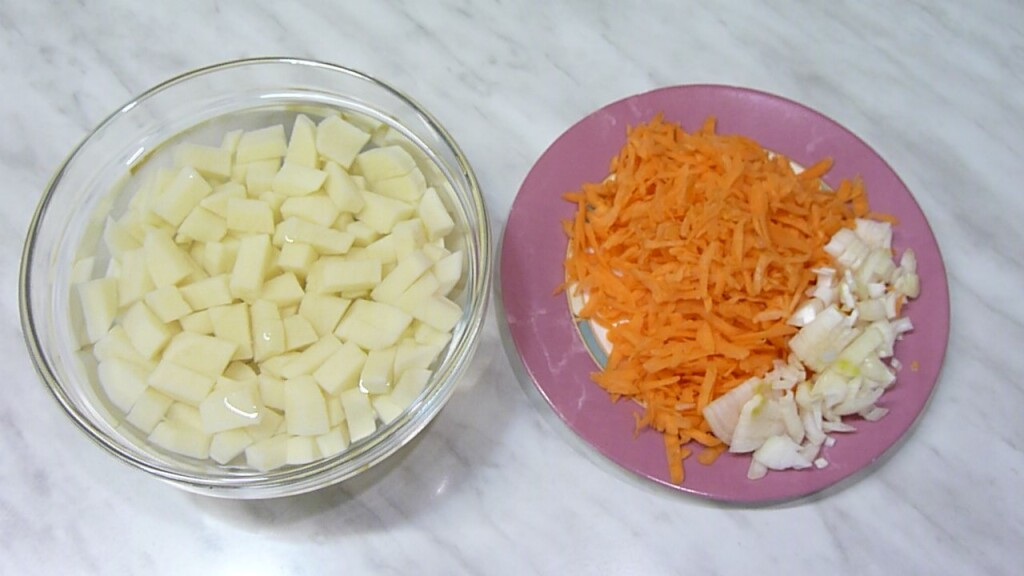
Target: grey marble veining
x=496, y=484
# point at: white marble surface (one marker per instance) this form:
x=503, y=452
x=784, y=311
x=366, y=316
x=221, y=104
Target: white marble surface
x=495, y=485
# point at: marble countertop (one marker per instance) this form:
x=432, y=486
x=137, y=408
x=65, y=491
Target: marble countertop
x=495, y=485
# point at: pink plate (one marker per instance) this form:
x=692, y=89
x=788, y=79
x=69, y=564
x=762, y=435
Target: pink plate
x=556, y=358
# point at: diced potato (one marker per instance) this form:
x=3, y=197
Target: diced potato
x=426, y=334
x=324, y=240
x=323, y=312
x=385, y=162
x=241, y=372
x=334, y=442
x=219, y=257
x=302, y=450
x=302, y=144
x=275, y=366
x=226, y=446
x=315, y=208
x=297, y=258
x=358, y=414
x=406, y=272
x=283, y=290
x=249, y=216
x=118, y=238
x=180, y=383
x=181, y=196
x=208, y=160
x=254, y=258
x=185, y=415
x=207, y=355
x=410, y=235
x=123, y=381
x=339, y=141
x=372, y=325
x=439, y=312
x=202, y=225
x=341, y=370
x=305, y=408
x=207, y=293
x=448, y=271
x=268, y=454
x=181, y=439
x=343, y=275
x=377, y=373
x=116, y=346
x=335, y=413
x=231, y=140
x=268, y=426
x=231, y=409
x=434, y=215
x=409, y=386
x=383, y=249
x=167, y=303
x=382, y=213
x=134, y=280
x=342, y=189
x=416, y=295
x=259, y=176
x=166, y=261
x=362, y=233
x=231, y=323
x=267, y=330
x=145, y=331
x=410, y=355
x=148, y=410
x=271, y=390
x=197, y=322
x=262, y=144
x=298, y=333
x=386, y=408
x=217, y=202
x=407, y=187
x=99, y=306
x=295, y=180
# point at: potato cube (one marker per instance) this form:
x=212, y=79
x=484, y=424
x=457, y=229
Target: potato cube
x=267, y=330
x=343, y=275
x=268, y=426
x=254, y=258
x=302, y=144
x=377, y=373
x=177, y=437
x=283, y=290
x=134, y=281
x=343, y=190
x=298, y=333
x=334, y=442
x=409, y=386
x=372, y=325
x=382, y=213
x=324, y=240
x=383, y=249
x=118, y=238
x=123, y=382
x=339, y=141
x=116, y=346
x=145, y=331
x=268, y=453
x=250, y=216
x=197, y=322
x=219, y=257
x=341, y=370
x=295, y=180
x=302, y=450
x=180, y=383
x=362, y=234
x=148, y=410
x=386, y=408
x=438, y=311
x=207, y=355
x=208, y=160
x=406, y=272
x=297, y=258
x=414, y=296
x=259, y=176
x=358, y=414
x=181, y=196
x=385, y=162
x=305, y=408
x=185, y=415
x=275, y=366
x=315, y=208
x=271, y=390
x=434, y=215
x=230, y=409
x=323, y=312
x=335, y=413
x=241, y=372
x=265, y=143
x=410, y=355
x=448, y=271
x=202, y=225
x=99, y=306
x=407, y=187
x=167, y=303
x=231, y=323
x=226, y=446
x=207, y=293
x=217, y=202
x=166, y=261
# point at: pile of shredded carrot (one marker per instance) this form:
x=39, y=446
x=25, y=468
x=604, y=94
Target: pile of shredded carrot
x=693, y=253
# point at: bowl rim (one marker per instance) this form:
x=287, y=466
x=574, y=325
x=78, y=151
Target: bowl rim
x=296, y=479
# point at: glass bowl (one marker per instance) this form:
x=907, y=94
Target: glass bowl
x=101, y=173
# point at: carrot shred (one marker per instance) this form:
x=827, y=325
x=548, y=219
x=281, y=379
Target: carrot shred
x=692, y=254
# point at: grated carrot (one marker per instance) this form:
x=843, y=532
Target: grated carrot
x=692, y=255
